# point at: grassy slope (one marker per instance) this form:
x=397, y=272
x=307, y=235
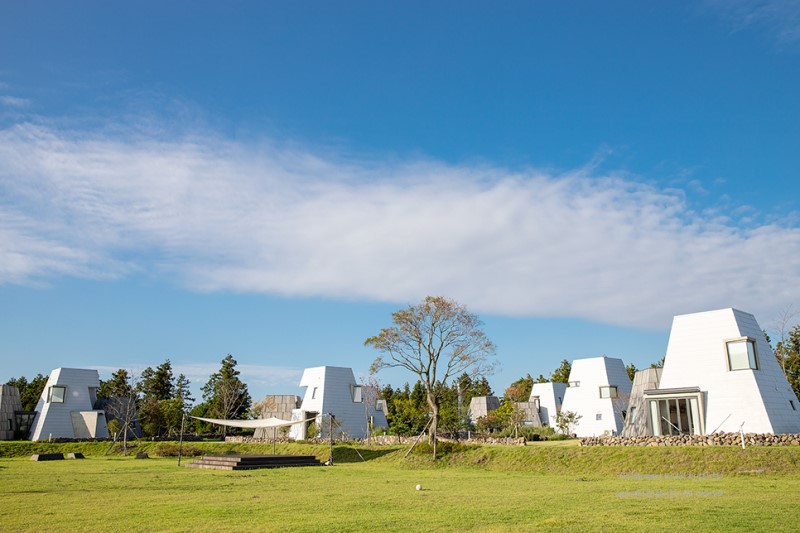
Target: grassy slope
x=561, y=457
x=489, y=488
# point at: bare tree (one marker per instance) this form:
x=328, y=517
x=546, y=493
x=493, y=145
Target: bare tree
x=621, y=405
x=370, y=393
x=121, y=402
x=566, y=421
x=436, y=340
x=782, y=325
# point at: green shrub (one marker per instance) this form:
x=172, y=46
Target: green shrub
x=171, y=449
x=531, y=433
x=311, y=432
x=114, y=427
x=119, y=447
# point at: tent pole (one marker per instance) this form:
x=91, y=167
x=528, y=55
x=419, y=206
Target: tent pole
x=180, y=441
x=418, y=437
x=330, y=435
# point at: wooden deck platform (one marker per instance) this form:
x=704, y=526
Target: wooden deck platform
x=251, y=462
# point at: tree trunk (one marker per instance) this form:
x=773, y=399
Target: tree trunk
x=434, y=424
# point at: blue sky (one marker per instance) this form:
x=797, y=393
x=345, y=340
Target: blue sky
x=272, y=179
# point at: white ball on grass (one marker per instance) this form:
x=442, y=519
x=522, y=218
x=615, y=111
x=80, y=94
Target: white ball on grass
x=419, y=487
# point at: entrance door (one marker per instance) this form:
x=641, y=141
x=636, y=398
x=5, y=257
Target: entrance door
x=675, y=416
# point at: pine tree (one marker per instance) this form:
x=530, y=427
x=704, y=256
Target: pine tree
x=226, y=395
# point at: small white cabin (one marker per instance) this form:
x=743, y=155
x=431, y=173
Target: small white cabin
x=334, y=390
x=598, y=391
x=66, y=407
x=720, y=375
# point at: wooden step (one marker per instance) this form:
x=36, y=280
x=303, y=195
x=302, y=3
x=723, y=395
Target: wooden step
x=251, y=462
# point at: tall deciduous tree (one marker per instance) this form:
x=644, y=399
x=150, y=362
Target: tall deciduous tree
x=787, y=351
x=436, y=340
x=226, y=395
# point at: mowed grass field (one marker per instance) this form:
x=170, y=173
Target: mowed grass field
x=471, y=488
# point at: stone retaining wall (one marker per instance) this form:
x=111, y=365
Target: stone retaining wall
x=716, y=439
x=381, y=440
x=257, y=440
x=508, y=441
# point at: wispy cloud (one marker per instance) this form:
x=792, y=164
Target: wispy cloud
x=780, y=19
x=13, y=101
x=256, y=376
x=215, y=214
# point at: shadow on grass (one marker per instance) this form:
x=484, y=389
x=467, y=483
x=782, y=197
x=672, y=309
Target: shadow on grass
x=343, y=453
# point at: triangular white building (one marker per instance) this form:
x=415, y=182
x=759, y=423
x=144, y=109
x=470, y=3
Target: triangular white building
x=332, y=389
x=66, y=407
x=547, y=398
x=720, y=375
x=598, y=391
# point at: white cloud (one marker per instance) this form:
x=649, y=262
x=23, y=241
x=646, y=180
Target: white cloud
x=13, y=101
x=780, y=19
x=259, y=217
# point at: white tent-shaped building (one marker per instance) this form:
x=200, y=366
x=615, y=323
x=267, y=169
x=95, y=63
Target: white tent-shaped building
x=547, y=398
x=719, y=375
x=599, y=388
x=66, y=407
x=332, y=389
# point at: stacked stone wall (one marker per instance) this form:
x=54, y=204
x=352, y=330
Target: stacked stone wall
x=383, y=440
x=716, y=439
x=256, y=440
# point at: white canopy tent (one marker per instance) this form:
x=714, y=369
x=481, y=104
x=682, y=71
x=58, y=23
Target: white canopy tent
x=271, y=422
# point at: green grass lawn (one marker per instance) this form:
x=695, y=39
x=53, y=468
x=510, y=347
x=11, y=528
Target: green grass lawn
x=481, y=488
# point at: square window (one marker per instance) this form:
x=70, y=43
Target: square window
x=57, y=394
x=608, y=392
x=599, y=416
x=314, y=393
x=742, y=354
x=357, y=397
